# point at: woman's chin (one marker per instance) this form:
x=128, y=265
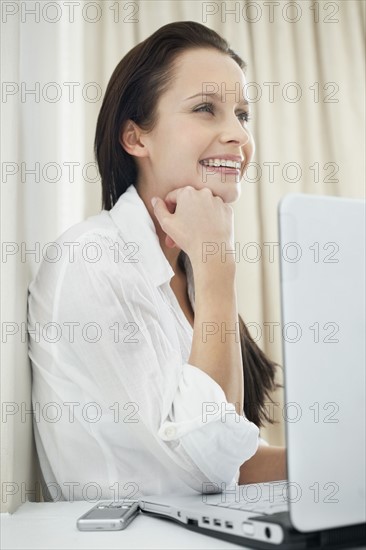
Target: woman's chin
x=229, y=194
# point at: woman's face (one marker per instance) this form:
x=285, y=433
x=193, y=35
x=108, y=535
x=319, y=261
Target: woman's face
x=190, y=130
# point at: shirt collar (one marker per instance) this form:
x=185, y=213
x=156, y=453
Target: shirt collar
x=133, y=219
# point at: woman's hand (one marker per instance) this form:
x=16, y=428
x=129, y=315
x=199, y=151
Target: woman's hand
x=191, y=217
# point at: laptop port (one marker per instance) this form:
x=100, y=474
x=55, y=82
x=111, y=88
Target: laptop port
x=217, y=522
x=228, y=524
x=205, y=519
x=248, y=528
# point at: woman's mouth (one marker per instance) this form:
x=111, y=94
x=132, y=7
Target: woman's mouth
x=216, y=166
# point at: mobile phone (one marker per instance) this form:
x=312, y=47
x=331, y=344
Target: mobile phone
x=109, y=516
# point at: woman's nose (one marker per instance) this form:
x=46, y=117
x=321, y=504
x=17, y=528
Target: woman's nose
x=235, y=131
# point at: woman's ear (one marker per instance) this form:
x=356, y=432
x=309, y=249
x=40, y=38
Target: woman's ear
x=130, y=139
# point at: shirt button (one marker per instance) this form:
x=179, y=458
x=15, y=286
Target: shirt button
x=170, y=432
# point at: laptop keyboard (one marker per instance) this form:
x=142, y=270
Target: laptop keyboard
x=264, y=499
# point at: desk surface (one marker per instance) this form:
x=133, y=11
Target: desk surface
x=38, y=526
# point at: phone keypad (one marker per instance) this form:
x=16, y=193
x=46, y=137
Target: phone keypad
x=122, y=505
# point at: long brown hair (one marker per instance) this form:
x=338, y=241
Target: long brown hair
x=133, y=91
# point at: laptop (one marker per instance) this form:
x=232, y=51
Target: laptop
x=322, y=503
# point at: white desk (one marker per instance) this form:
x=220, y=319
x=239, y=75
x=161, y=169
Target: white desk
x=38, y=526
x=48, y=526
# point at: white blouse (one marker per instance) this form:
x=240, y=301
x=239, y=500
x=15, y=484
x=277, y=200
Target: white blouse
x=118, y=410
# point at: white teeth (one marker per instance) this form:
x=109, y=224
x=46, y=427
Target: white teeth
x=219, y=162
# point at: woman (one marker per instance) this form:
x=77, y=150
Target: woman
x=155, y=389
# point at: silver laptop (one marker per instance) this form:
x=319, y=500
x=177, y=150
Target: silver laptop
x=322, y=504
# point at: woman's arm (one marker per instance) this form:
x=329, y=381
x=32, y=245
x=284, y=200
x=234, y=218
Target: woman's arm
x=202, y=219
x=216, y=340
x=268, y=464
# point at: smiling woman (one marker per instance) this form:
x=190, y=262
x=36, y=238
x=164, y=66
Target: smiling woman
x=189, y=130
x=171, y=162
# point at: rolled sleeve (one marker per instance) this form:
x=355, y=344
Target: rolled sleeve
x=217, y=438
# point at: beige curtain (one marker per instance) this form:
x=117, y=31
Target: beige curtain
x=306, y=83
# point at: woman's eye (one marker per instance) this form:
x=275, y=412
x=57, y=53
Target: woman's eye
x=208, y=107
x=245, y=116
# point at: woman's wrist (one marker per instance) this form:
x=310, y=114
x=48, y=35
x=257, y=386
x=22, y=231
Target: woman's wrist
x=212, y=265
